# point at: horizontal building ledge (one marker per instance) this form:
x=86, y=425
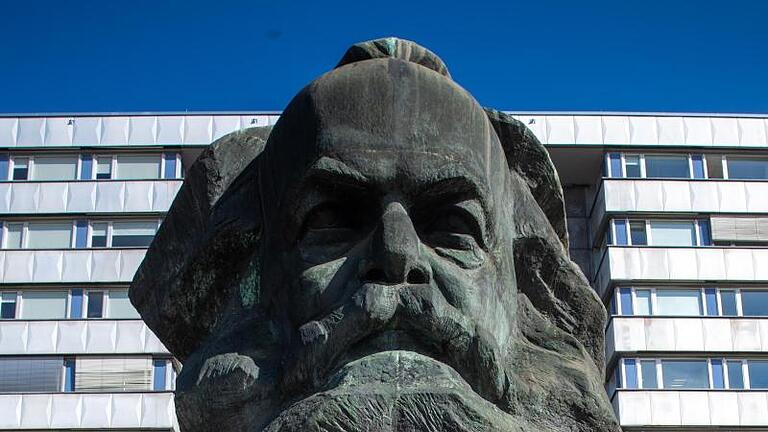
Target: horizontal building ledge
x=78, y=337
x=685, y=334
x=130, y=196
x=69, y=266
x=87, y=411
x=680, y=264
x=691, y=409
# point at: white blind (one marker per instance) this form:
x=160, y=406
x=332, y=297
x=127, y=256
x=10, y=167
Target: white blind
x=739, y=229
x=113, y=374
x=44, y=235
x=120, y=306
x=136, y=167
x=43, y=304
x=55, y=168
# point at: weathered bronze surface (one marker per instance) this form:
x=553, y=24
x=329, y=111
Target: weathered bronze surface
x=389, y=257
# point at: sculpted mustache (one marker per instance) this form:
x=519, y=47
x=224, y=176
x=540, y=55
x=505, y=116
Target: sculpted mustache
x=418, y=309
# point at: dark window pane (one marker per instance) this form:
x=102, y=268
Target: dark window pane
x=86, y=167
x=718, y=379
x=95, y=304
x=685, y=374
x=626, y=301
x=630, y=372
x=637, y=233
x=697, y=161
x=20, y=173
x=666, y=166
x=76, y=305
x=758, y=374
x=170, y=165
x=81, y=234
x=735, y=375
x=4, y=166
x=648, y=369
x=705, y=235
x=8, y=310
x=131, y=240
x=37, y=374
x=754, y=303
x=614, y=160
x=69, y=375
x=711, y=296
x=632, y=163
x=728, y=302
x=620, y=226
x=747, y=168
x=158, y=381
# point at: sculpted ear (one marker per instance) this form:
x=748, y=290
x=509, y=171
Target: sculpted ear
x=188, y=274
x=528, y=157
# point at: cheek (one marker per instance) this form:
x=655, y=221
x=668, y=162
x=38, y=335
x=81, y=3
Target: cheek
x=462, y=288
x=316, y=289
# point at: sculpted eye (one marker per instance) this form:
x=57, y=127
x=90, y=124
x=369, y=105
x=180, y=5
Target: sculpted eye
x=327, y=216
x=453, y=220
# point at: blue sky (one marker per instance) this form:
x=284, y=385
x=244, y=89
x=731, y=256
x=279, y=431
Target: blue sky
x=141, y=55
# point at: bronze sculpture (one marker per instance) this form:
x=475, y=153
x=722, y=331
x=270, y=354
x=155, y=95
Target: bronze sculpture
x=390, y=256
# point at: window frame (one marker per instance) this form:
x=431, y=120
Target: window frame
x=697, y=224
x=743, y=365
x=643, y=165
x=703, y=306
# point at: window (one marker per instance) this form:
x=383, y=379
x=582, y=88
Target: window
x=735, y=374
x=69, y=375
x=131, y=234
x=718, y=376
x=630, y=374
x=685, y=374
x=673, y=233
x=30, y=374
x=625, y=296
x=103, y=167
x=758, y=374
x=138, y=167
x=8, y=304
x=643, y=302
x=747, y=168
x=160, y=368
x=95, y=304
x=20, y=168
x=169, y=165
x=76, y=303
x=660, y=232
x=120, y=305
x=666, y=166
x=728, y=303
x=104, y=374
x=632, y=166
x=44, y=304
x=678, y=302
x=754, y=303
x=99, y=234
x=86, y=167
x=614, y=165
x=648, y=374
x=62, y=167
x=81, y=234
x=49, y=235
x=14, y=237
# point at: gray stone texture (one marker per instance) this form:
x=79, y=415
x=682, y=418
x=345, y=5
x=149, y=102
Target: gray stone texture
x=390, y=256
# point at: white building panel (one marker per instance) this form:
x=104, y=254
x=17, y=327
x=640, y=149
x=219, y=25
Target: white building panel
x=77, y=265
x=698, y=131
x=560, y=130
x=24, y=197
x=9, y=128
x=142, y=130
x=170, y=130
x=665, y=408
x=87, y=131
x=616, y=130
x=31, y=132
x=657, y=264
x=87, y=411
x=732, y=196
x=59, y=132
x=69, y=337
x=52, y=197
x=163, y=194
x=81, y=197
x=643, y=131
x=198, y=130
x=5, y=197
x=224, y=124
x=588, y=130
x=671, y=130
x=249, y=121
x=41, y=337
x=110, y=196
x=537, y=124
x=114, y=131
x=138, y=196
x=752, y=132
x=686, y=334
x=725, y=131
x=36, y=411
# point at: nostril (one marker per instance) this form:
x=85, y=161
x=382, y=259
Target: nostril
x=375, y=275
x=416, y=276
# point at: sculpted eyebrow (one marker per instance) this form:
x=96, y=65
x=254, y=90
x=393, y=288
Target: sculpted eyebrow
x=332, y=172
x=452, y=189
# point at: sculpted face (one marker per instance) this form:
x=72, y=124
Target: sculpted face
x=391, y=259
x=393, y=236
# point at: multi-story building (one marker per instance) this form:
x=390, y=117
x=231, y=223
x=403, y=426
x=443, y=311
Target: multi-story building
x=668, y=218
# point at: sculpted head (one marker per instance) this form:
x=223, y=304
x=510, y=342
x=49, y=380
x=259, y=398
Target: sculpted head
x=388, y=251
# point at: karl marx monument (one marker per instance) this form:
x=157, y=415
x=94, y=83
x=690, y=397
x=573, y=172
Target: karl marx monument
x=390, y=256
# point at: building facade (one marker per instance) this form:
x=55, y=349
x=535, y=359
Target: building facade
x=668, y=218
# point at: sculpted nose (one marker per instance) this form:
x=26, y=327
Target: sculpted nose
x=395, y=256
